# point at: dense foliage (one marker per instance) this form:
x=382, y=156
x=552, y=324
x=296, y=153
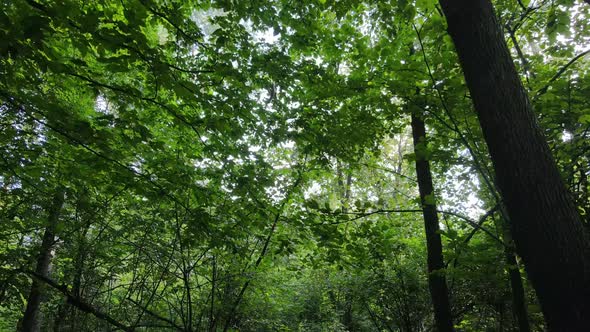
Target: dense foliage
x=248, y=165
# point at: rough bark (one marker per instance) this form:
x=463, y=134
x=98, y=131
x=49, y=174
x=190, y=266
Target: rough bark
x=546, y=227
x=32, y=315
x=436, y=278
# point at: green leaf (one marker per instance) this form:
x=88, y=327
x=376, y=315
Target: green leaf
x=430, y=199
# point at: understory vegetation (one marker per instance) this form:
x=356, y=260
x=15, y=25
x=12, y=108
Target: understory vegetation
x=275, y=165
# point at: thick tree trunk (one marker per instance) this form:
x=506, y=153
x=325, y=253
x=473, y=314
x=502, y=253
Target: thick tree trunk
x=32, y=316
x=436, y=278
x=546, y=227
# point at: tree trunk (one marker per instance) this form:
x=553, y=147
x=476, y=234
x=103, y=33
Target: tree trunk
x=32, y=316
x=436, y=278
x=73, y=316
x=546, y=227
x=519, y=303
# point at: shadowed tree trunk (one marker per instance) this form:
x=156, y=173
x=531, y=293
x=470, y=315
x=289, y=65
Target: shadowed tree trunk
x=547, y=230
x=517, y=292
x=436, y=278
x=32, y=316
x=519, y=304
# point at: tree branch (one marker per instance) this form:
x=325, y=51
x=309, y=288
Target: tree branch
x=543, y=90
x=480, y=222
x=525, y=64
x=153, y=314
x=267, y=241
x=477, y=225
x=77, y=302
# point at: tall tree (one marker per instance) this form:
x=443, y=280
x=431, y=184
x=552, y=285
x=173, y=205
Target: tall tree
x=32, y=316
x=546, y=227
x=436, y=277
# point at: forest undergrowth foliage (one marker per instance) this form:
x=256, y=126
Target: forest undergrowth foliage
x=259, y=165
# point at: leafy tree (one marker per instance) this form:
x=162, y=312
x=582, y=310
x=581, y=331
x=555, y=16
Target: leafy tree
x=248, y=165
x=540, y=206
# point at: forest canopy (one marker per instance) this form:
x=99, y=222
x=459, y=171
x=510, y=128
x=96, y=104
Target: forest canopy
x=274, y=165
